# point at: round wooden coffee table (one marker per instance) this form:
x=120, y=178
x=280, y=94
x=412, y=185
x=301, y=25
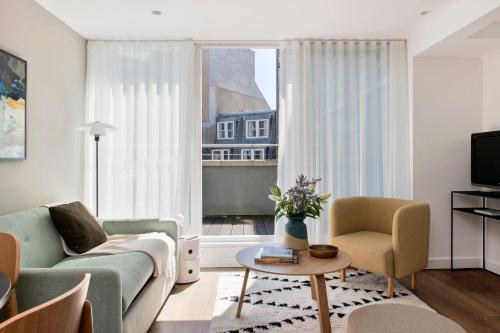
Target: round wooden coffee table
x=316, y=268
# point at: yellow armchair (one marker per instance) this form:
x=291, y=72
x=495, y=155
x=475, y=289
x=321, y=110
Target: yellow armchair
x=382, y=235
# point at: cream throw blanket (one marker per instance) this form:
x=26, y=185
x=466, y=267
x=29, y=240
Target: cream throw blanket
x=157, y=245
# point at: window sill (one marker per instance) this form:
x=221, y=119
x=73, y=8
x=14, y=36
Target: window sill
x=220, y=251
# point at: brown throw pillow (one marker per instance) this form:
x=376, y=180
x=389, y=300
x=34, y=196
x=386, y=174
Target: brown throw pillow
x=77, y=226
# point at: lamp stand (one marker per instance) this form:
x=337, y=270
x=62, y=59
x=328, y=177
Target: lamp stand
x=96, y=138
x=97, y=129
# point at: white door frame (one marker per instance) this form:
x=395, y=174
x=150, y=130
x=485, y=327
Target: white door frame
x=217, y=251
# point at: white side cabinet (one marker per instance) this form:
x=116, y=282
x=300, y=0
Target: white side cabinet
x=189, y=259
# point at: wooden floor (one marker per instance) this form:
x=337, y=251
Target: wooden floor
x=189, y=307
x=471, y=298
x=238, y=225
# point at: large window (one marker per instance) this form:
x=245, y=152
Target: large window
x=225, y=130
x=258, y=128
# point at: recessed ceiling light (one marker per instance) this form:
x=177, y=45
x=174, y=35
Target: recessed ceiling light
x=425, y=12
x=156, y=12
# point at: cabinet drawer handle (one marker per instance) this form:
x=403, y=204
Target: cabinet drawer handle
x=190, y=271
x=190, y=251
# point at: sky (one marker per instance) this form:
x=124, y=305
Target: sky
x=265, y=74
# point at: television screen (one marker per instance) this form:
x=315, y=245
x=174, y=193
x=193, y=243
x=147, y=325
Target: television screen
x=485, y=159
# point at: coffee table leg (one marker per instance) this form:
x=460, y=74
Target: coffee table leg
x=242, y=295
x=313, y=287
x=322, y=301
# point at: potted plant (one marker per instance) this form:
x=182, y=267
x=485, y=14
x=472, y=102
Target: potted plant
x=299, y=202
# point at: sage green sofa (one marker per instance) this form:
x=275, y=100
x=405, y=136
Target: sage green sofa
x=124, y=295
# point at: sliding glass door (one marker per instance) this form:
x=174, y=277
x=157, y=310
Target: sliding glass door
x=239, y=141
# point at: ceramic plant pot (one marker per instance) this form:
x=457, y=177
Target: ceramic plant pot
x=295, y=233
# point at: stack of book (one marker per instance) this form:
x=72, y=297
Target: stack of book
x=276, y=255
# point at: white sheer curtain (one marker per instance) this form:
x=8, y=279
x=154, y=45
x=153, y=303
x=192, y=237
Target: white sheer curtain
x=344, y=118
x=146, y=89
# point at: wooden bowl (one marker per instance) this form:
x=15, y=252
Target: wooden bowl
x=323, y=251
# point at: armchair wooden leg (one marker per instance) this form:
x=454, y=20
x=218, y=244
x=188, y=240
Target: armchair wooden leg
x=342, y=275
x=12, y=304
x=414, y=281
x=390, y=286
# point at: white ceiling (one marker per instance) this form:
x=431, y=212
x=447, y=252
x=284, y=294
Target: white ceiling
x=243, y=20
x=475, y=40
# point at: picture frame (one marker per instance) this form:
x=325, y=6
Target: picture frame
x=13, y=106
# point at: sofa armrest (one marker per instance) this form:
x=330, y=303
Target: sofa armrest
x=348, y=215
x=138, y=226
x=38, y=285
x=410, y=238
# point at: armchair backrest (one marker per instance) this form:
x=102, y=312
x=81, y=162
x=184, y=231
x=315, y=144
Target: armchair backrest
x=381, y=213
x=355, y=214
x=348, y=215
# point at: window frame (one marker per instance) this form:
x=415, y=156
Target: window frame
x=221, y=151
x=219, y=250
x=262, y=151
x=244, y=152
x=252, y=154
x=257, y=128
x=225, y=130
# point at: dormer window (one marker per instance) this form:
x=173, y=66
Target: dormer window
x=225, y=130
x=257, y=128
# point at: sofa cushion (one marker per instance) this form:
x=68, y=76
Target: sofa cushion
x=371, y=251
x=78, y=227
x=40, y=242
x=135, y=267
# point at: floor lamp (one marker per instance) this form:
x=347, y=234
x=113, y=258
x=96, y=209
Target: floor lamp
x=97, y=129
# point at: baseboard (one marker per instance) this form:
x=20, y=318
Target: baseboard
x=464, y=262
x=493, y=266
x=458, y=262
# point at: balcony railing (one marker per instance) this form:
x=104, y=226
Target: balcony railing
x=239, y=152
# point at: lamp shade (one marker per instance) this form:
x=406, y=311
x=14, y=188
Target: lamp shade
x=97, y=128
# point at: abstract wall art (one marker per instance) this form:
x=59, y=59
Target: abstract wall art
x=13, y=71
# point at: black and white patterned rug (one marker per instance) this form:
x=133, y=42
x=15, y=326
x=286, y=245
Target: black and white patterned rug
x=277, y=303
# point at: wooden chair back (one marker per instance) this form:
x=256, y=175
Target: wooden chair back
x=9, y=256
x=67, y=313
x=9, y=264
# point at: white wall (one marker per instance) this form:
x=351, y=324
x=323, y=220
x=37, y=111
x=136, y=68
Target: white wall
x=55, y=104
x=447, y=108
x=491, y=88
x=491, y=122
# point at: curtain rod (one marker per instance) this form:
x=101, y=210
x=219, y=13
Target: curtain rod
x=303, y=40
x=252, y=42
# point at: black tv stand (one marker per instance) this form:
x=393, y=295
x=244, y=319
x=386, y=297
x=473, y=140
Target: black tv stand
x=472, y=210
